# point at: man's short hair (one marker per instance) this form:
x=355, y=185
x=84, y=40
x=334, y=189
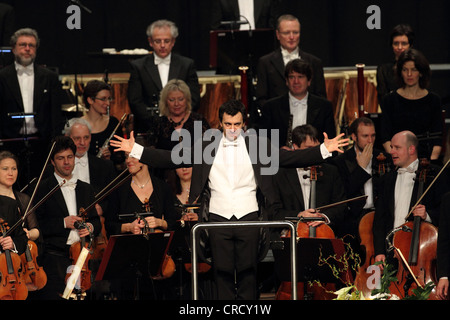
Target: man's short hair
x=360, y=121
x=299, y=66
x=301, y=133
x=163, y=24
x=286, y=17
x=232, y=108
x=69, y=125
x=62, y=143
x=24, y=32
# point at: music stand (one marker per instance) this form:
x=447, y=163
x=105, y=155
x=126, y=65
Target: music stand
x=134, y=256
x=230, y=49
x=309, y=251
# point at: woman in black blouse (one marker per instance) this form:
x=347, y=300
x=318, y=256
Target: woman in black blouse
x=412, y=107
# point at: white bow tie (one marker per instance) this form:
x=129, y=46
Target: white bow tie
x=69, y=184
x=25, y=70
x=82, y=162
x=300, y=103
x=159, y=60
x=230, y=144
x=403, y=170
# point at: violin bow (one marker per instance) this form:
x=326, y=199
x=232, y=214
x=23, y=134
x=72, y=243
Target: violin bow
x=425, y=192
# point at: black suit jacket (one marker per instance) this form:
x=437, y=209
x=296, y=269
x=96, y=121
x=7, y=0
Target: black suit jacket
x=385, y=206
x=271, y=82
x=52, y=212
x=101, y=172
x=266, y=13
x=329, y=190
x=145, y=86
x=46, y=102
x=275, y=115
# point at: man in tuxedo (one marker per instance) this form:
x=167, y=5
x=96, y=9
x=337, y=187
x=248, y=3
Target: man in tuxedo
x=304, y=107
x=399, y=193
x=59, y=219
x=29, y=89
x=259, y=13
x=271, y=82
x=233, y=186
x=294, y=188
x=360, y=168
x=148, y=75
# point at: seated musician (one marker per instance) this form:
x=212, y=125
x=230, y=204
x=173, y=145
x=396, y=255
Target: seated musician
x=59, y=216
x=294, y=185
x=143, y=203
x=399, y=193
x=296, y=193
x=360, y=171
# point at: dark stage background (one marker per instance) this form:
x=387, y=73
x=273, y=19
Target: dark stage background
x=334, y=30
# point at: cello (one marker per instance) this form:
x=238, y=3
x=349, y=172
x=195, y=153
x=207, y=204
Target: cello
x=305, y=290
x=366, y=241
x=416, y=250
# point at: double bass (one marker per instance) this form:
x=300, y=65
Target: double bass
x=416, y=250
x=305, y=290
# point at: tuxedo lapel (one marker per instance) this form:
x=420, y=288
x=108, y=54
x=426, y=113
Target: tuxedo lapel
x=294, y=182
x=13, y=83
x=277, y=62
x=311, y=112
x=39, y=87
x=152, y=70
x=175, y=67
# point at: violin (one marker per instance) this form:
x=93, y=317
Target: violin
x=366, y=240
x=12, y=285
x=416, y=250
x=305, y=290
x=168, y=266
x=34, y=275
x=85, y=279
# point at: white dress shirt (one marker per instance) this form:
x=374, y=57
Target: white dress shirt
x=25, y=76
x=81, y=170
x=68, y=191
x=246, y=10
x=163, y=68
x=288, y=56
x=298, y=109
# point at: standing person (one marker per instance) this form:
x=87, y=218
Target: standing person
x=228, y=184
x=97, y=99
x=150, y=74
x=401, y=39
x=305, y=107
x=33, y=90
x=412, y=107
x=271, y=82
x=58, y=217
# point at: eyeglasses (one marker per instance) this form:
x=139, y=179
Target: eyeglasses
x=104, y=99
x=24, y=45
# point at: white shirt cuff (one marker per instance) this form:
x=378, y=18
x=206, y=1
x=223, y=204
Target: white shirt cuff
x=136, y=151
x=324, y=151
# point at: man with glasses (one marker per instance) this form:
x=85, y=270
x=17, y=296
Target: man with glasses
x=270, y=70
x=30, y=108
x=150, y=74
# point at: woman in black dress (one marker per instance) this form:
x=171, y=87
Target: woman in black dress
x=412, y=107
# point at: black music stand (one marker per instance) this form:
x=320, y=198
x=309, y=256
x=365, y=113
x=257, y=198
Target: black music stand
x=134, y=256
x=230, y=49
x=309, y=251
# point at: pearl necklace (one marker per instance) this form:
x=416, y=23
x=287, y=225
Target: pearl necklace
x=141, y=186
